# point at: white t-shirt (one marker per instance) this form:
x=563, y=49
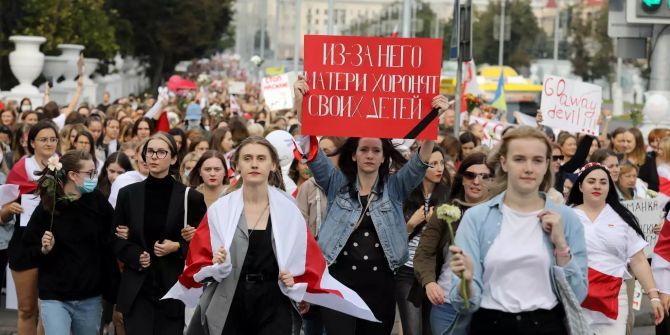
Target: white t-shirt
x=59, y=121
x=122, y=181
x=516, y=274
x=610, y=243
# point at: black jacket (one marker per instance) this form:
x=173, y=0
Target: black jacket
x=81, y=264
x=130, y=212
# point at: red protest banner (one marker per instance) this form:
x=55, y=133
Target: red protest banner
x=371, y=86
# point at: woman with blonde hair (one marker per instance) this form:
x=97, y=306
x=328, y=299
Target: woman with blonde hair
x=517, y=235
x=187, y=165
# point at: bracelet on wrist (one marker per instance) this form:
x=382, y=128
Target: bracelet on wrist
x=651, y=290
x=655, y=299
x=565, y=252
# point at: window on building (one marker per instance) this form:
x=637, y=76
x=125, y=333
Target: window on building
x=317, y=11
x=316, y=21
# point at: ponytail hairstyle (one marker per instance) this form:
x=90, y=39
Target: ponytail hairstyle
x=577, y=197
x=275, y=178
x=54, y=177
x=523, y=132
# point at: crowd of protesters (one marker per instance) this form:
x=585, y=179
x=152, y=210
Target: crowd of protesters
x=124, y=187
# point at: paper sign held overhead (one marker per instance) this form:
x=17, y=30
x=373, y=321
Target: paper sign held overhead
x=371, y=86
x=571, y=105
x=237, y=87
x=277, y=92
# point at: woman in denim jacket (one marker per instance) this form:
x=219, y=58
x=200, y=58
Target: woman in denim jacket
x=364, y=237
x=506, y=247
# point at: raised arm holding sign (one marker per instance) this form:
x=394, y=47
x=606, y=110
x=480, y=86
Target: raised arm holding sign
x=571, y=105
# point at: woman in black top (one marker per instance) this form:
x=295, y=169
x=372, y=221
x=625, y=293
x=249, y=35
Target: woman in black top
x=68, y=236
x=154, y=251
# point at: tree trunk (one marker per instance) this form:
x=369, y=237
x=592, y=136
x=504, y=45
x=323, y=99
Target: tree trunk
x=158, y=62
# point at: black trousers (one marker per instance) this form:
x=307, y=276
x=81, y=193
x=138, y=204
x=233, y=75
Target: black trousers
x=259, y=308
x=151, y=317
x=415, y=320
x=538, y=322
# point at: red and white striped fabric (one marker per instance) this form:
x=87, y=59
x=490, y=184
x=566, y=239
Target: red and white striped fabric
x=660, y=258
x=664, y=179
x=295, y=247
x=610, y=243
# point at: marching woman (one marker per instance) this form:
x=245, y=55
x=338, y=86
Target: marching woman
x=256, y=255
x=42, y=144
x=506, y=248
x=434, y=190
x=431, y=261
x=210, y=176
x=68, y=237
x=160, y=222
x=364, y=236
x=613, y=239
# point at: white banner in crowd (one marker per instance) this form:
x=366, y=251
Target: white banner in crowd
x=571, y=105
x=492, y=130
x=237, y=87
x=649, y=212
x=277, y=92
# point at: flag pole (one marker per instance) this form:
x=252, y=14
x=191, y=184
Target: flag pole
x=459, y=68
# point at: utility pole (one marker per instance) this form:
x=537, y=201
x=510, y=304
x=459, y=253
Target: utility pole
x=298, y=34
x=263, y=19
x=277, y=33
x=331, y=16
x=556, y=26
x=406, y=17
x=501, y=43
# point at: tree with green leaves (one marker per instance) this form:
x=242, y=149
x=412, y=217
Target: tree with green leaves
x=525, y=32
x=580, y=29
x=168, y=31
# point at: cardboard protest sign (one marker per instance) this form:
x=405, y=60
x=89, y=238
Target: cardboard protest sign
x=491, y=130
x=237, y=87
x=571, y=105
x=371, y=86
x=277, y=92
x=649, y=212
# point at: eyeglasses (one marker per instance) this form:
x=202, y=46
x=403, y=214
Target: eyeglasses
x=472, y=175
x=83, y=143
x=44, y=140
x=557, y=158
x=160, y=154
x=91, y=174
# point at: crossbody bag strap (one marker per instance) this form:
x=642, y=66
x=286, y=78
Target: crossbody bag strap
x=186, y=207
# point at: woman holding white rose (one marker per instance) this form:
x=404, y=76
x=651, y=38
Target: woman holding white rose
x=518, y=234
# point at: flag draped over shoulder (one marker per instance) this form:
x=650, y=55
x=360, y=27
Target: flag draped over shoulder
x=660, y=258
x=499, y=101
x=296, y=250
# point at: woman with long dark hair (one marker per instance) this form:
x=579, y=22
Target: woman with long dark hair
x=613, y=239
x=364, y=235
x=156, y=244
x=68, y=238
x=431, y=261
x=42, y=142
x=209, y=176
x=420, y=205
x=115, y=165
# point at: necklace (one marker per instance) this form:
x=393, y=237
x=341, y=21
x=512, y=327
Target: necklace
x=258, y=220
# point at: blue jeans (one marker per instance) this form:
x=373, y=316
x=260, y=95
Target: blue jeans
x=444, y=320
x=76, y=317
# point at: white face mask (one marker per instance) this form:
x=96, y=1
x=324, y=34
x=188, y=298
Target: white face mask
x=26, y=108
x=187, y=172
x=207, y=128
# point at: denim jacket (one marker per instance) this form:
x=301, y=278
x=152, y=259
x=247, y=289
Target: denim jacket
x=481, y=225
x=385, y=209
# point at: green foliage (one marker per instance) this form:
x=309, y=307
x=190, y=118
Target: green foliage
x=526, y=35
x=168, y=31
x=592, y=50
x=83, y=22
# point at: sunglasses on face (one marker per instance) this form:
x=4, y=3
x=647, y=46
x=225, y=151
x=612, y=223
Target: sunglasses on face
x=472, y=175
x=557, y=157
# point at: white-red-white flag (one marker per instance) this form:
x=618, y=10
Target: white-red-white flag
x=660, y=258
x=296, y=250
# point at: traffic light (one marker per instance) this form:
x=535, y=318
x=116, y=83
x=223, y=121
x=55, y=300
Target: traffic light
x=648, y=11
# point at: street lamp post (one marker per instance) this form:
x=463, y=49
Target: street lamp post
x=501, y=43
x=298, y=34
